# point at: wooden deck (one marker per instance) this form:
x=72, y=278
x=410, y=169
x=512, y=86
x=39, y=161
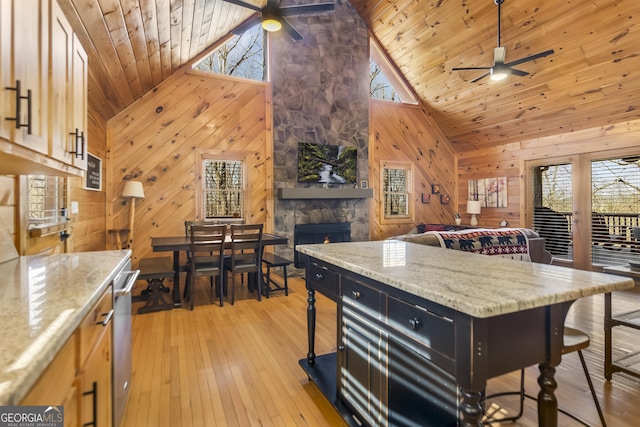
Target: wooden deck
x=237, y=366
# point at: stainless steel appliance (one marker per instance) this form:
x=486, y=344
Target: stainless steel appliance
x=122, y=286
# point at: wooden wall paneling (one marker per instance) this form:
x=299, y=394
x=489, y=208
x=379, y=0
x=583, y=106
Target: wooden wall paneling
x=187, y=123
x=163, y=20
x=138, y=38
x=149, y=15
x=402, y=132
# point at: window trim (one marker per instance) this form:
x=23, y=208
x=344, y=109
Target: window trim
x=398, y=219
x=225, y=156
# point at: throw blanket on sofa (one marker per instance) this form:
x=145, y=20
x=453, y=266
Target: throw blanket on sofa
x=505, y=242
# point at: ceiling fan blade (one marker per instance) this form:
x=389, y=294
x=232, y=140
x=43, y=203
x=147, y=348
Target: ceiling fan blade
x=470, y=68
x=304, y=9
x=499, y=54
x=530, y=58
x=253, y=20
x=273, y=4
x=288, y=28
x=244, y=4
x=477, y=79
x=518, y=72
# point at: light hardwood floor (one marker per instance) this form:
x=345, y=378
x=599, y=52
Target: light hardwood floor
x=238, y=366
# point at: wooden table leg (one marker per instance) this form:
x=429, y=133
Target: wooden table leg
x=470, y=409
x=547, y=402
x=177, y=301
x=608, y=324
x=311, y=326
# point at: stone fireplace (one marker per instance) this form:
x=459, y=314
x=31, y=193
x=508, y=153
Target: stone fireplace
x=320, y=95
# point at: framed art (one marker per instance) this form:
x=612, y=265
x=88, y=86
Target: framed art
x=435, y=188
x=491, y=192
x=426, y=197
x=445, y=199
x=93, y=176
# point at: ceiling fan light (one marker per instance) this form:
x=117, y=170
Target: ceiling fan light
x=498, y=73
x=271, y=24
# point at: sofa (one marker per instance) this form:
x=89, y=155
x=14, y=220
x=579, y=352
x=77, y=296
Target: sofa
x=515, y=243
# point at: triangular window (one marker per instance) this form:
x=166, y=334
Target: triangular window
x=385, y=80
x=242, y=55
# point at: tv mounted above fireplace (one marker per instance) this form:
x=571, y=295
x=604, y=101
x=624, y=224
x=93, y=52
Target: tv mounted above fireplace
x=329, y=164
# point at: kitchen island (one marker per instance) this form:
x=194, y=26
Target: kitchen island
x=421, y=329
x=43, y=300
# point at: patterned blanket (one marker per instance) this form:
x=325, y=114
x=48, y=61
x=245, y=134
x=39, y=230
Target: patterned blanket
x=505, y=242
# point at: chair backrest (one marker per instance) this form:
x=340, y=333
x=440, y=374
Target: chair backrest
x=207, y=239
x=246, y=244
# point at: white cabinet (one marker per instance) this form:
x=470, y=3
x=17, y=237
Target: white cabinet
x=79, y=86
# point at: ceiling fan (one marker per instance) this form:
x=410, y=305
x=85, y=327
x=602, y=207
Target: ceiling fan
x=273, y=15
x=500, y=68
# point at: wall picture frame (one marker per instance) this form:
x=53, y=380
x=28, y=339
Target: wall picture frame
x=445, y=199
x=93, y=175
x=435, y=188
x=426, y=198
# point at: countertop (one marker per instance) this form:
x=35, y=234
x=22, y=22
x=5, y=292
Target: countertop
x=43, y=299
x=478, y=285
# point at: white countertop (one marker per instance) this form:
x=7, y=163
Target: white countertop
x=478, y=285
x=43, y=299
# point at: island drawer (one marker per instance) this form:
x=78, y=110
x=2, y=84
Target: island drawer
x=323, y=280
x=361, y=296
x=433, y=327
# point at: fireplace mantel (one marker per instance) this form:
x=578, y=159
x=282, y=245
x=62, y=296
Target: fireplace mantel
x=325, y=193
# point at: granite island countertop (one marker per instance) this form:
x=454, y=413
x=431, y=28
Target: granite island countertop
x=478, y=285
x=43, y=299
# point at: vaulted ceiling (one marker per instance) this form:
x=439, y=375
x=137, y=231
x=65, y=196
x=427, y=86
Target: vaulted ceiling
x=592, y=79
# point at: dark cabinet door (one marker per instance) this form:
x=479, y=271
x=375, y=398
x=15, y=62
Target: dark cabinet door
x=362, y=368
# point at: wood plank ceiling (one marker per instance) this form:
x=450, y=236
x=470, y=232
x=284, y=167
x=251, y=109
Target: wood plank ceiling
x=592, y=80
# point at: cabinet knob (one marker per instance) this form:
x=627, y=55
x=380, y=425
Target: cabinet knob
x=356, y=294
x=414, y=323
x=319, y=276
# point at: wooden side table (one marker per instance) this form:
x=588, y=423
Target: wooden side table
x=629, y=363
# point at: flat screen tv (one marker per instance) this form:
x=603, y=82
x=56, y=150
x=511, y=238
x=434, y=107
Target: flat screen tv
x=330, y=164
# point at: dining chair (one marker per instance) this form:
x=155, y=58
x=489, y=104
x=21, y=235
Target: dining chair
x=206, y=258
x=246, y=256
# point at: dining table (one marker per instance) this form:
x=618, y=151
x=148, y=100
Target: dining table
x=176, y=244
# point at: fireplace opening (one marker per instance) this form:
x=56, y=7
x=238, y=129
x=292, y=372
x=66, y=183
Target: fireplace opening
x=304, y=234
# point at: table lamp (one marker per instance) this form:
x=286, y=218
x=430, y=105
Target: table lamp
x=132, y=190
x=473, y=208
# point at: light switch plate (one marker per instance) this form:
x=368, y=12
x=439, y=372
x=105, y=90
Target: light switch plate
x=74, y=207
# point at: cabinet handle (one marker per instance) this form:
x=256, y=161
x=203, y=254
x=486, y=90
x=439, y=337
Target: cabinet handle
x=319, y=276
x=107, y=319
x=79, y=144
x=414, y=323
x=356, y=294
x=19, y=99
x=94, y=393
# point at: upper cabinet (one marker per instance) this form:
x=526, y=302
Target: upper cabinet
x=43, y=91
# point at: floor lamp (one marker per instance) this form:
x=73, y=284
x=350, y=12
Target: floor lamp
x=132, y=190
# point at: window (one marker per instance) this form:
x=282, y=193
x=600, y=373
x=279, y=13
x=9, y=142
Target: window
x=223, y=188
x=385, y=80
x=47, y=199
x=243, y=55
x=396, y=188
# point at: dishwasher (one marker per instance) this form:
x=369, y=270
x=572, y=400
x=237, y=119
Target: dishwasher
x=121, y=367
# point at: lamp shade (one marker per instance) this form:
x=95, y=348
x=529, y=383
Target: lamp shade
x=133, y=189
x=473, y=207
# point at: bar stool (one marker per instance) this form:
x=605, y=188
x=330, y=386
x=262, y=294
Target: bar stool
x=273, y=261
x=154, y=271
x=574, y=340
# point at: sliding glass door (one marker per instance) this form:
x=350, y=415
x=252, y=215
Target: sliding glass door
x=587, y=207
